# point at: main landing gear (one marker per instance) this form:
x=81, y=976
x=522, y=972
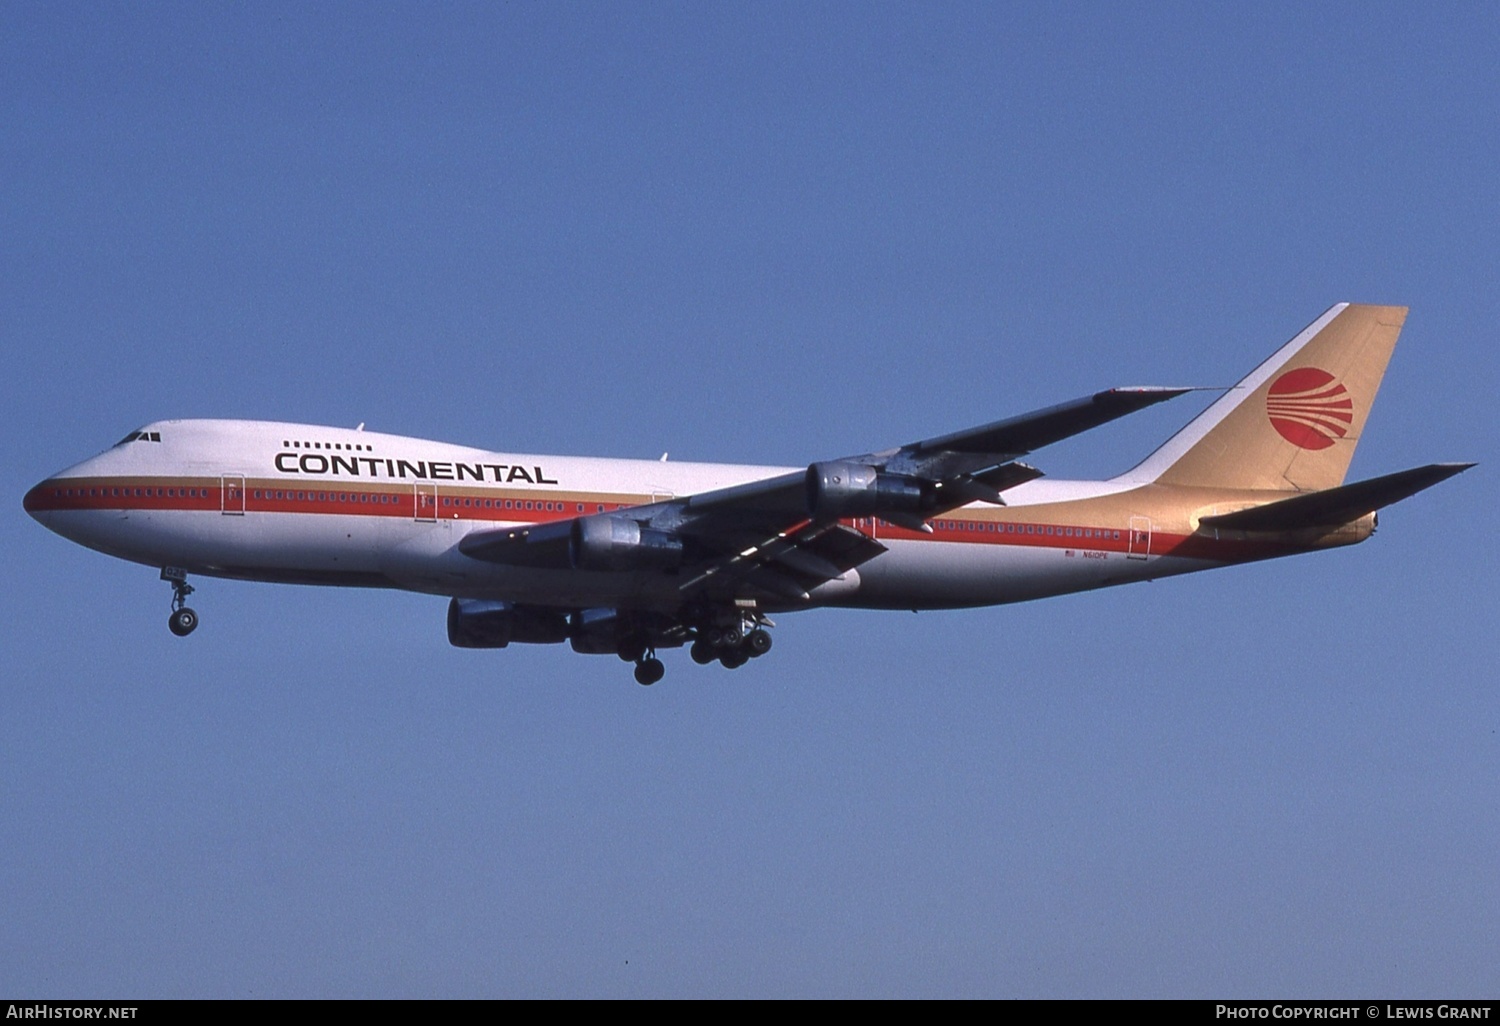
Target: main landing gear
x=649, y=670
x=639, y=650
x=183, y=620
x=729, y=637
x=733, y=646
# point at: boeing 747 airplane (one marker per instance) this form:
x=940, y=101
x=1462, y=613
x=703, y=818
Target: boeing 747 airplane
x=629, y=557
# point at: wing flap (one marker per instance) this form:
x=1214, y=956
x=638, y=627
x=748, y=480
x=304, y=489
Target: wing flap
x=790, y=563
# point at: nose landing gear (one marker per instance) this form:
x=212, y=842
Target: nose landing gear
x=183, y=620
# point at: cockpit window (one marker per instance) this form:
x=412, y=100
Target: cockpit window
x=139, y=436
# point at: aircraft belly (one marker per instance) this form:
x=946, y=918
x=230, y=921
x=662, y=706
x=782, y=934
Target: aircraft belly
x=211, y=542
x=571, y=589
x=936, y=575
x=427, y=559
x=278, y=542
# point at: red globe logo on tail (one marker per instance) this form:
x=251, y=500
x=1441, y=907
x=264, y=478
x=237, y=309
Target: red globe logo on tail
x=1309, y=408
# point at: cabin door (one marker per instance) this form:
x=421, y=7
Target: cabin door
x=424, y=502
x=232, y=495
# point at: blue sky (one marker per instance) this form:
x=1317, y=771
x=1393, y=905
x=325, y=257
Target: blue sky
x=769, y=233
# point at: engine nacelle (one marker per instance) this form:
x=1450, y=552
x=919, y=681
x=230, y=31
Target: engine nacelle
x=482, y=623
x=619, y=543
x=596, y=631
x=836, y=490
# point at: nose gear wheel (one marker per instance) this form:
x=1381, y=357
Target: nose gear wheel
x=183, y=620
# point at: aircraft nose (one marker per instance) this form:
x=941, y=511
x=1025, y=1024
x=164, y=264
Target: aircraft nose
x=37, y=501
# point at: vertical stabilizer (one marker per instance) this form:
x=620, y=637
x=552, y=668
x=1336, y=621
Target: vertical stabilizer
x=1293, y=423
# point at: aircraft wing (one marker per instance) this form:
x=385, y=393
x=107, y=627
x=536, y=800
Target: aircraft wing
x=784, y=535
x=1018, y=436
x=955, y=469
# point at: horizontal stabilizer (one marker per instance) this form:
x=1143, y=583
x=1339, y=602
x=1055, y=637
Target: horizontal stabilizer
x=1334, y=506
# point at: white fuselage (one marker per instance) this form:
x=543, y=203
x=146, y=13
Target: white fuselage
x=303, y=504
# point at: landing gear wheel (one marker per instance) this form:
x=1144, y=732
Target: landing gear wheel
x=702, y=652
x=734, y=659
x=182, y=622
x=758, y=642
x=649, y=671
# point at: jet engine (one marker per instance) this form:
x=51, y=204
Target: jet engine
x=836, y=490
x=619, y=543
x=596, y=631
x=482, y=623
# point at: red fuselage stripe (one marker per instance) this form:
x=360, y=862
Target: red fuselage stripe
x=416, y=503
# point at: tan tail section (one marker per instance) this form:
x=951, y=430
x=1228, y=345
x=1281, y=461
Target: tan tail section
x=1293, y=423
